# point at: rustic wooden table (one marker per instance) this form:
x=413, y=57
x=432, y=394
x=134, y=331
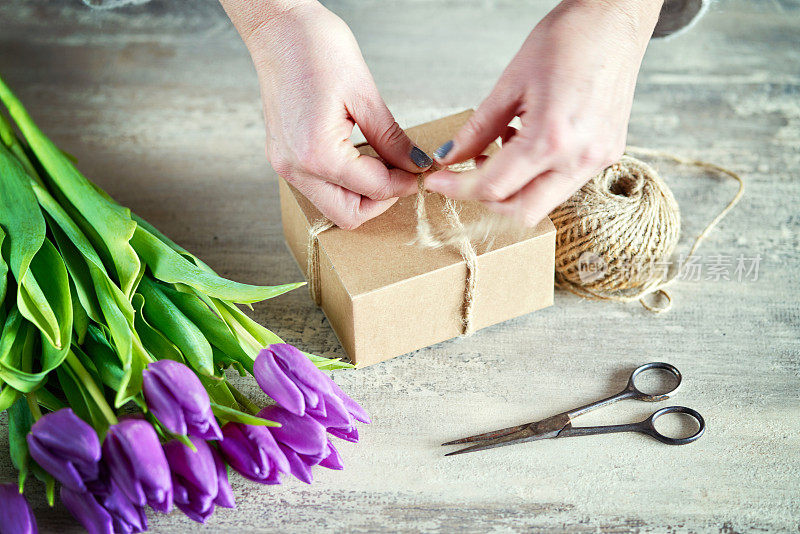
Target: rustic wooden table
x=160, y=104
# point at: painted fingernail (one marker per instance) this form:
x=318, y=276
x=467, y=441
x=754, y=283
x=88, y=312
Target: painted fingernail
x=420, y=158
x=443, y=150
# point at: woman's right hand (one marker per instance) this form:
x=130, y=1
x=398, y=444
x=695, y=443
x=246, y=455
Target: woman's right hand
x=315, y=87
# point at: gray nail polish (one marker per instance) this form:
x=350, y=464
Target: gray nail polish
x=420, y=158
x=443, y=150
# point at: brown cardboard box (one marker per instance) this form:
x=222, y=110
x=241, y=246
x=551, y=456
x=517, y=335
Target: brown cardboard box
x=385, y=297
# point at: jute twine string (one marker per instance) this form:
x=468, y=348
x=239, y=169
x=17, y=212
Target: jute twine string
x=312, y=258
x=460, y=239
x=625, y=218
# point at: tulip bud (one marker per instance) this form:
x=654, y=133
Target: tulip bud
x=301, y=439
x=179, y=401
x=105, y=494
x=66, y=447
x=137, y=464
x=16, y=516
x=288, y=376
x=252, y=451
x=197, y=480
x=294, y=382
x=90, y=514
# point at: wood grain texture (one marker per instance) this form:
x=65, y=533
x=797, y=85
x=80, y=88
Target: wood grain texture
x=160, y=105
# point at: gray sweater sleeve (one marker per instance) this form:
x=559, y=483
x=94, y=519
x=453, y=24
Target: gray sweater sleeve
x=677, y=16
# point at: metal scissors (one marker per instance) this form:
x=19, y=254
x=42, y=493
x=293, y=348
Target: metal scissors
x=560, y=426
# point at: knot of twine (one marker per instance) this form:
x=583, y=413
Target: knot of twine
x=623, y=225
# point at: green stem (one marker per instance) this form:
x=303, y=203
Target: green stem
x=87, y=382
x=165, y=434
x=243, y=400
x=48, y=400
x=10, y=140
x=33, y=405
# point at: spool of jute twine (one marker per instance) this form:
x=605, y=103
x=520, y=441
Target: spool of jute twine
x=617, y=233
x=614, y=237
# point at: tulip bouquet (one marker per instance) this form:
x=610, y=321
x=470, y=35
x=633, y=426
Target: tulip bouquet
x=115, y=353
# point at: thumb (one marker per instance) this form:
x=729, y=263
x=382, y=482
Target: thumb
x=484, y=126
x=387, y=138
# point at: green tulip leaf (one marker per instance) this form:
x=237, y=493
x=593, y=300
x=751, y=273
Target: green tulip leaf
x=18, y=346
x=111, y=221
x=104, y=358
x=117, y=311
x=328, y=364
x=20, y=421
x=3, y=270
x=154, y=341
x=25, y=228
x=8, y=396
x=249, y=332
x=44, y=297
x=80, y=278
x=208, y=320
x=170, y=266
x=177, y=328
x=80, y=320
x=48, y=400
x=171, y=244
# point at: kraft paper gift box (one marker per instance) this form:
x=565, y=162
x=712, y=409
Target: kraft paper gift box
x=385, y=296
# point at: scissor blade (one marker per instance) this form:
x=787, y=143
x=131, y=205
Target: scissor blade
x=524, y=435
x=547, y=428
x=488, y=435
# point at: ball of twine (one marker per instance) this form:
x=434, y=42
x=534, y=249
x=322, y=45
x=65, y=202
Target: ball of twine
x=616, y=235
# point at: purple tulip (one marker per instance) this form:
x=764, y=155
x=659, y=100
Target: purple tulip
x=199, y=479
x=252, y=451
x=66, y=447
x=137, y=464
x=16, y=516
x=127, y=516
x=301, y=439
x=178, y=400
x=104, y=504
x=288, y=376
x=90, y=514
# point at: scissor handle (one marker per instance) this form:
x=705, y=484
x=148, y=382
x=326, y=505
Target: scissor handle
x=648, y=425
x=636, y=393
